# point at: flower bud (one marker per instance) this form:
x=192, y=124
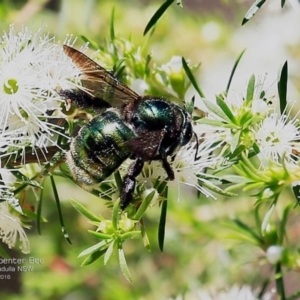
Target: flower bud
x=126, y=224
x=267, y=194
x=106, y=227
x=274, y=254
x=247, y=138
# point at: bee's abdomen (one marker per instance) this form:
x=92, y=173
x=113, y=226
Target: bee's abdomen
x=99, y=149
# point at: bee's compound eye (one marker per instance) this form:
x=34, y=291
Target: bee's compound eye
x=187, y=133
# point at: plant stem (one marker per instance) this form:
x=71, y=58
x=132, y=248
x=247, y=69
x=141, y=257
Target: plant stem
x=279, y=282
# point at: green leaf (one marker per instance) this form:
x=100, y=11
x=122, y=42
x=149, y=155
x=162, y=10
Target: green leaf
x=210, y=122
x=92, y=44
x=162, y=225
x=247, y=233
x=255, y=148
x=266, y=219
x=24, y=179
x=60, y=214
x=13, y=202
x=118, y=180
x=236, y=153
x=252, y=10
x=296, y=191
x=129, y=235
x=189, y=106
x=32, y=215
x=235, y=141
x=250, y=88
x=157, y=15
x=100, y=235
x=118, y=68
x=217, y=189
x=39, y=212
x=212, y=107
x=115, y=215
x=97, y=247
x=233, y=70
x=225, y=109
x=56, y=159
x=251, y=169
x=283, y=222
x=112, y=26
x=147, y=62
x=123, y=265
x=191, y=77
x=145, y=238
x=235, y=179
x=254, y=185
x=109, y=252
x=84, y=211
x=282, y=87
x=143, y=207
x=246, y=120
x=282, y=3
x=160, y=185
x=247, y=230
x=92, y=257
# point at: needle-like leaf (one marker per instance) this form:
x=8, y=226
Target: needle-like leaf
x=157, y=15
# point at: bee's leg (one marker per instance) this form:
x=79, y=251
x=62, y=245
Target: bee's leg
x=83, y=100
x=166, y=165
x=129, y=182
x=197, y=146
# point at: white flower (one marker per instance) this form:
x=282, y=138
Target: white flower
x=32, y=70
x=60, y=70
x=277, y=137
x=212, y=134
x=11, y=228
x=191, y=172
x=7, y=181
x=188, y=171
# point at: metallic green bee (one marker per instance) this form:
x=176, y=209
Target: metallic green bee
x=126, y=126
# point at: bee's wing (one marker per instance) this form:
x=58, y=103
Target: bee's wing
x=99, y=82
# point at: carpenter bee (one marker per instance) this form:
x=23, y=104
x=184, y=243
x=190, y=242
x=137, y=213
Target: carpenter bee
x=126, y=125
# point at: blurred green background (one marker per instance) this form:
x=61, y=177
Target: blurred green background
x=198, y=252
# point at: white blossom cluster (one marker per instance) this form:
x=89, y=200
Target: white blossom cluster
x=33, y=68
x=276, y=134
